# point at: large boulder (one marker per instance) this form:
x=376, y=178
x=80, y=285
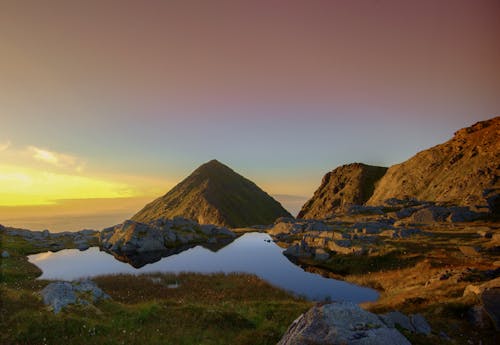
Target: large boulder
x=343, y=323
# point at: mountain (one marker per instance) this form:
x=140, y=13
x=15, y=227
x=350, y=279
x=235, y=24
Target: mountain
x=462, y=171
x=215, y=194
x=346, y=185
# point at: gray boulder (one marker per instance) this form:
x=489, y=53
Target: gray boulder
x=60, y=294
x=394, y=318
x=415, y=323
x=341, y=323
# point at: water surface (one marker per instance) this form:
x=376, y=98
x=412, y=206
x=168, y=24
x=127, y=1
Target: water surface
x=250, y=253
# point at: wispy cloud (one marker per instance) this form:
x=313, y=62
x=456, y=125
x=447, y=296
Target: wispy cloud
x=5, y=145
x=57, y=159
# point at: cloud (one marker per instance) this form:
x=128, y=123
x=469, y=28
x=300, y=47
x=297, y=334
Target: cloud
x=5, y=145
x=57, y=159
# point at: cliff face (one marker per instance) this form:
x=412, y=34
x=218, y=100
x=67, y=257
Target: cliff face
x=215, y=194
x=462, y=171
x=346, y=185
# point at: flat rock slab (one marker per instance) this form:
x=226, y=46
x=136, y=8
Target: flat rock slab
x=341, y=323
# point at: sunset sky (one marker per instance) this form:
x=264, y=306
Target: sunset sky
x=119, y=100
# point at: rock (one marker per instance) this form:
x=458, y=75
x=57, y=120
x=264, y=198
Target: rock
x=488, y=313
x=5, y=254
x=342, y=189
x=478, y=317
x=394, y=318
x=83, y=246
x=225, y=232
x=341, y=323
x=61, y=294
x=158, y=235
x=316, y=226
x=430, y=214
x=469, y=251
x=462, y=171
x=420, y=324
x=286, y=228
x=181, y=223
x=485, y=233
x=321, y=255
x=371, y=227
x=58, y=295
x=491, y=304
x=296, y=251
x=285, y=220
x=495, y=238
x=363, y=209
x=345, y=247
x=462, y=214
x=88, y=285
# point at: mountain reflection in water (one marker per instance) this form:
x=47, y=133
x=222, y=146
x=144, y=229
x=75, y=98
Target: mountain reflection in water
x=251, y=253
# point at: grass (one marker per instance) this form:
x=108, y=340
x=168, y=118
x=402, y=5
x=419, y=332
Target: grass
x=204, y=309
x=408, y=275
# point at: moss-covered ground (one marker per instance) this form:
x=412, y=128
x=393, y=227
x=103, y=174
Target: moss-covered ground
x=203, y=309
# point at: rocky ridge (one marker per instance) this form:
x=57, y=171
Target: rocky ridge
x=463, y=171
x=55, y=241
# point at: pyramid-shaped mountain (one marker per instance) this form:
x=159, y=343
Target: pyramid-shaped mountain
x=215, y=194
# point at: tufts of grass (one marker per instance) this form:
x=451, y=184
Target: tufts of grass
x=145, y=309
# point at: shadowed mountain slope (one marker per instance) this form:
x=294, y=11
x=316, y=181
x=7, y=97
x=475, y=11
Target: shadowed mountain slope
x=351, y=184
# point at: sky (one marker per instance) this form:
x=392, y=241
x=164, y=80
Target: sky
x=105, y=104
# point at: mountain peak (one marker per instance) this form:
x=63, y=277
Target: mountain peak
x=215, y=194
x=212, y=164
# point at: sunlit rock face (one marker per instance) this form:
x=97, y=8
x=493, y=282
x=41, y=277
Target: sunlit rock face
x=462, y=171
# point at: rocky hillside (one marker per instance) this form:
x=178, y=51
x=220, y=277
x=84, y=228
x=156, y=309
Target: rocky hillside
x=215, y=194
x=462, y=171
x=351, y=184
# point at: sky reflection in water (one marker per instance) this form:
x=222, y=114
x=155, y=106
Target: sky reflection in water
x=250, y=253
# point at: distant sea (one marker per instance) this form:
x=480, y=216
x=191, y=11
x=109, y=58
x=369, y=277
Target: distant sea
x=100, y=214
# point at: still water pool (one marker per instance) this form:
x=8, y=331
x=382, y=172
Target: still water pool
x=251, y=253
